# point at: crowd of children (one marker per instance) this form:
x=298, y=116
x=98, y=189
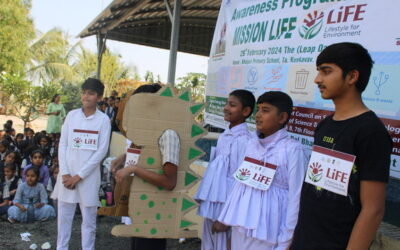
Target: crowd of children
x=28, y=170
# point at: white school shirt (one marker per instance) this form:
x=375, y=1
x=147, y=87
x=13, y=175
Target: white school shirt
x=82, y=162
x=270, y=215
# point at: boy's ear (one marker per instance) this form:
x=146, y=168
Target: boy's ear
x=246, y=111
x=283, y=117
x=353, y=76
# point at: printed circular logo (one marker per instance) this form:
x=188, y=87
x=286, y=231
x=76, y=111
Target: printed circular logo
x=315, y=172
x=77, y=142
x=243, y=174
x=313, y=25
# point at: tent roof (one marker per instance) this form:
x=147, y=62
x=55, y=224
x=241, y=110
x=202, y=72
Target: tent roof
x=147, y=22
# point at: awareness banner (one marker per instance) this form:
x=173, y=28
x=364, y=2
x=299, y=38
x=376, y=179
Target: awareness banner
x=272, y=45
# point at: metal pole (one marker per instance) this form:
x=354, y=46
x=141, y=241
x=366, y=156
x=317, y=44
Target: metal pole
x=174, y=42
x=101, y=44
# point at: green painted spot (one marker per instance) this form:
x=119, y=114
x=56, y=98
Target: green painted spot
x=167, y=92
x=153, y=231
x=160, y=171
x=195, y=108
x=163, y=202
x=145, y=221
x=185, y=223
x=170, y=216
x=174, y=200
x=196, y=130
x=158, y=216
x=151, y=204
x=150, y=160
x=189, y=178
x=137, y=213
x=186, y=204
x=160, y=188
x=185, y=96
x=143, y=197
x=354, y=169
x=137, y=230
x=193, y=153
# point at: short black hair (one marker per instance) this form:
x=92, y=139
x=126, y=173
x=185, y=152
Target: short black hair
x=5, y=143
x=37, y=151
x=148, y=88
x=11, y=166
x=35, y=170
x=94, y=84
x=246, y=98
x=348, y=57
x=279, y=99
x=19, y=135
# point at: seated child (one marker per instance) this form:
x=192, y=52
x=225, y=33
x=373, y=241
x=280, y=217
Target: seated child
x=44, y=144
x=30, y=192
x=37, y=161
x=9, y=157
x=263, y=205
x=9, y=187
x=218, y=179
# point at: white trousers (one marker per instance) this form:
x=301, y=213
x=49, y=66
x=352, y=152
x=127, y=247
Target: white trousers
x=66, y=212
x=241, y=242
x=213, y=241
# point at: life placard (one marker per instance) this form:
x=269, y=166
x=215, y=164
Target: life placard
x=85, y=139
x=132, y=157
x=330, y=169
x=255, y=173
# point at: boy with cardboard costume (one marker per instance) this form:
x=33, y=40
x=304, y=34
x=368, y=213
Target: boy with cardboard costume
x=166, y=134
x=348, y=220
x=83, y=145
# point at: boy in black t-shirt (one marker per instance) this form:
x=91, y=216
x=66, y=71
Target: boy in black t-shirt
x=328, y=220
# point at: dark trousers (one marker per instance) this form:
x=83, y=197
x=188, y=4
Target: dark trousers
x=148, y=244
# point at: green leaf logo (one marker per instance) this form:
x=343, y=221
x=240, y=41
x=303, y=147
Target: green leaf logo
x=313, y=25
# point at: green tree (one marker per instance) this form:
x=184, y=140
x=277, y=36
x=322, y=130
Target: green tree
x=16, y=31
x=25, y=98
x=52, y=58
x=149, y=76
x=196, y=82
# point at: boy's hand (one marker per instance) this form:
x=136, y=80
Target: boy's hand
x=12, y=192
x=72, y=181
x=218, y=227
x=121, y=174
x=22, y=208
x=39, y=205
x=117, y=162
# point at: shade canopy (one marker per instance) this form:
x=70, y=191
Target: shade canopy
x=147, y=22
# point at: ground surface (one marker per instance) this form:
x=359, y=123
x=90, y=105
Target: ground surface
x=42, y=232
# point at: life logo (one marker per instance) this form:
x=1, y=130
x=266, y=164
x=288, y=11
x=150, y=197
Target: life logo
x=243, y=174
x=314, y=20
x=315, y=172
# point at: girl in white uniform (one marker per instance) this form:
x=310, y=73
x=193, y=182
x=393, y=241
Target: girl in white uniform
x=83, y=145
x=218, y=181
x=263, y=205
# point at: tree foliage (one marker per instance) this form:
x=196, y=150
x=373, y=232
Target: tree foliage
x=196, y=82
x=16, y=31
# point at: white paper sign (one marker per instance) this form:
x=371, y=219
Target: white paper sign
x=132, y=157
x=85, y=139
x=330, y=169
x=255, y=173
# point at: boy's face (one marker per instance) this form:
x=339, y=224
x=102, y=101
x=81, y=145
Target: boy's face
x=89, y=98
x=9, y=173
x=37, y=159
x=43, y=142
x=19, y=139
x=330, y=81
x=234, y=111
x=269, y=119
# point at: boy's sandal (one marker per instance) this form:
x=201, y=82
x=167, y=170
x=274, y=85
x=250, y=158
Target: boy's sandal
x=11, y=220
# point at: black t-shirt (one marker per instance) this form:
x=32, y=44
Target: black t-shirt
x=326, y=219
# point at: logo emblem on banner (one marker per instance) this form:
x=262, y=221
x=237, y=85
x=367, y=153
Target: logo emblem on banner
x=313, y=25
x=252, y=76
x=77, y=142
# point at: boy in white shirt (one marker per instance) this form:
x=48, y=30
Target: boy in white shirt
x=83, y=145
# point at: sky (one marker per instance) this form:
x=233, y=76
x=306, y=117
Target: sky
x=73, y=16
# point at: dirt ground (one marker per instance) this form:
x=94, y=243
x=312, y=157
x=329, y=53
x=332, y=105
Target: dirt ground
x=42, y=232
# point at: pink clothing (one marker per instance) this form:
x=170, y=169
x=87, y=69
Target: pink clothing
x=271, y=215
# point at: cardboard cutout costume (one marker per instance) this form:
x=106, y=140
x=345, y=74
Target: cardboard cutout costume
x=155, y=212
